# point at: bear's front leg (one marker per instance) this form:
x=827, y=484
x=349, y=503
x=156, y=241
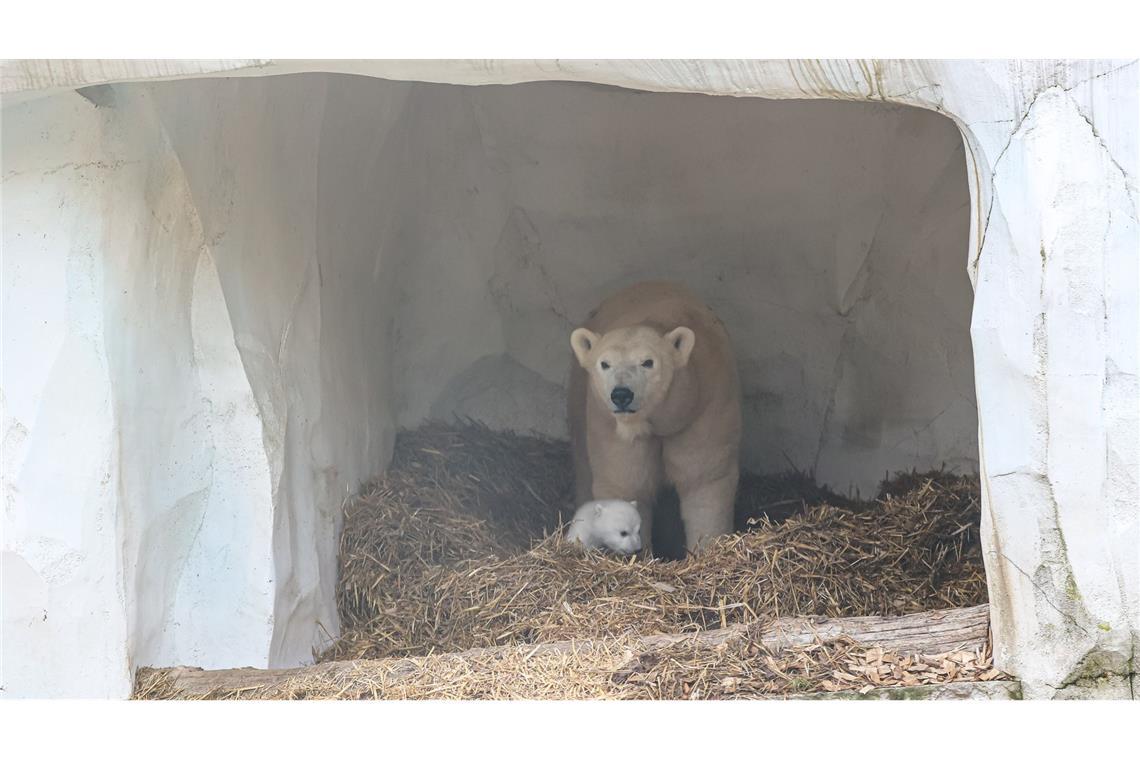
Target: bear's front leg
x=707, y=508
x=629, y=470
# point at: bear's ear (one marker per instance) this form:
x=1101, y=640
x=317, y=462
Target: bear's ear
x=583, y=342
x=681, y=340
x=598, y=509
x=633, y=503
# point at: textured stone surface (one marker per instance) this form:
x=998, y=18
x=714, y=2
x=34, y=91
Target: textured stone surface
x=211, y=318
x=829, y=237
x=133, y=455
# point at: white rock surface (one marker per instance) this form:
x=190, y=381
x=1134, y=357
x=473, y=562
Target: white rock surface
x=221, y=297
x=137, y=518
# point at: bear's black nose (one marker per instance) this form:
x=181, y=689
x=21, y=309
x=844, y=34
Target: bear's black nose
x=622, y=397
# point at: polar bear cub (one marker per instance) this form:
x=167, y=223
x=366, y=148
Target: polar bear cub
x=612, y=524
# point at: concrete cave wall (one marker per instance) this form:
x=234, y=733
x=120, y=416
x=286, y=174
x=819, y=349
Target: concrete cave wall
x=829, y=237
x=195, y=376
x=222, y=297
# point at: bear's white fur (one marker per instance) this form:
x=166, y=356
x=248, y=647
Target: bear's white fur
x=609, y=524
x=655, y=399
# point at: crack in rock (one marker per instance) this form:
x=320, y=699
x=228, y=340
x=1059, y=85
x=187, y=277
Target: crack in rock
x=997, y=163
x=1110, y=72
x=1108, y=154
x=1044, y=593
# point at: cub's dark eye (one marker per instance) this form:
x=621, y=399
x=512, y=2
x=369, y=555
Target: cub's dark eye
x=624, y=533
x=605, y=365
x=648, y=364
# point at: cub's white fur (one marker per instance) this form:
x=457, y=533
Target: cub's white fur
x=612, y=524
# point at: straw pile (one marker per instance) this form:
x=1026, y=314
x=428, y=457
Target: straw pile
x=457, y=547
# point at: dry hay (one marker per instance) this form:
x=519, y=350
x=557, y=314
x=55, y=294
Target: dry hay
x=743, y=668
x=437, y=556
x=746, y=669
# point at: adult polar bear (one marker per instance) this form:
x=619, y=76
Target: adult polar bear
x=656, y=399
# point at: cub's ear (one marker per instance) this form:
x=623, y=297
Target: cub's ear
x=583, y=342
x=598, y=509
x=681, y=340
x=633, y=503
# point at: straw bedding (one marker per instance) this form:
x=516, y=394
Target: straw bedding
x=457, y=546
x=605, y=669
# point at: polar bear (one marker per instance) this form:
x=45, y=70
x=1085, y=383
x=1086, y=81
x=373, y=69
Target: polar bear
x=611, y=524
x=655, y=399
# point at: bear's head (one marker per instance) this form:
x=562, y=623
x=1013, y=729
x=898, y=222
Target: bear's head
x=631, y=368
x=617, y=524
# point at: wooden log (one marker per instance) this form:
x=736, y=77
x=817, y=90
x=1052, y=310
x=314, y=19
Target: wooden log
x=920, y=633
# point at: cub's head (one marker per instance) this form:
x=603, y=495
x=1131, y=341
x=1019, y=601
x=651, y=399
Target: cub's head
x=617, y=525
x=631, y=368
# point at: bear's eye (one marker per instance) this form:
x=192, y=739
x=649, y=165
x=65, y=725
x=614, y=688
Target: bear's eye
x=605, y=365
x=624, y=533
x=648, y=364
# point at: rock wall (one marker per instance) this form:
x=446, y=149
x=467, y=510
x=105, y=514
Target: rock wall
x=133, y=455
x=187, y=398
x=296, y=201
x=220, y=297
